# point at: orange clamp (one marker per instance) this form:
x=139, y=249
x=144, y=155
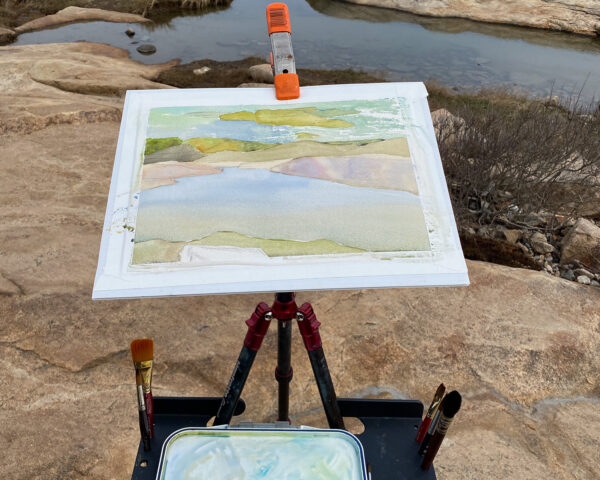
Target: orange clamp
x=278, y=18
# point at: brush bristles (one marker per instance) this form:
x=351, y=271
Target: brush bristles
x=440, y=390
x=142, y=349
x=452, y=403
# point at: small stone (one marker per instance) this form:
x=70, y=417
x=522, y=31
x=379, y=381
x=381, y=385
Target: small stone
x=584, y=272
x=483, y=231
x=540, y=244
x=595, y=283
x=548, y=268
x=201, y=70
x=584, y=280
x=568, y=275
x=512, y=235
x=523, y=248
x=261, y=73
x=146, y=49
x=129, y=32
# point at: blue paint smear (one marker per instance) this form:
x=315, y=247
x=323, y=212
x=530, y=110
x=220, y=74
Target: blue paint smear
x=258, y=190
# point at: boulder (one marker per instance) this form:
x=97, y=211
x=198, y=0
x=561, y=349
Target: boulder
x=582, y=243
x=446, y=125
x=78, y=14
x=7, y=35
x=578, y=16
x=261, y=73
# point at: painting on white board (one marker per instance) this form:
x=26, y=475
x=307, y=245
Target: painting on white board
x=222, y=191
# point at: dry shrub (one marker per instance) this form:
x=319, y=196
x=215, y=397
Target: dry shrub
x=512, y=165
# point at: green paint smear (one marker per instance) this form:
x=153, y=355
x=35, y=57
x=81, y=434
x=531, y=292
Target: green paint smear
x=162, y=251
x=156, y=144
x=298, y=117
x=306, y=135
x=214, y=145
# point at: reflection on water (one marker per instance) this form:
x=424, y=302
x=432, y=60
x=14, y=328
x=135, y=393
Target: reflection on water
x=334, y=35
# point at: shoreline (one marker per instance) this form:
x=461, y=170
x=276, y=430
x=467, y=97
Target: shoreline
x=537, y=15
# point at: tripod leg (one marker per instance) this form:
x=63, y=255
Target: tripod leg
x=258, y=325
x=309, y=328
x=284, y=372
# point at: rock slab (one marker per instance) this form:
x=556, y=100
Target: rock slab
x=521, y=346
x=78, y=14
x=48, y=84
x=577, y=16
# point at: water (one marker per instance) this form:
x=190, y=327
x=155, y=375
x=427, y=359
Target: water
x=264, y=204
x=334, y=35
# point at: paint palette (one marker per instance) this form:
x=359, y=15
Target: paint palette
x=261, y=454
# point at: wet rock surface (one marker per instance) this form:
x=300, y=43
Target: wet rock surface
x=521, y=346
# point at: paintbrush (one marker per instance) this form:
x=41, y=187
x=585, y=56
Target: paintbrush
x=450, y=407
x=431, y=429
x=142, y=351
x=437, y=398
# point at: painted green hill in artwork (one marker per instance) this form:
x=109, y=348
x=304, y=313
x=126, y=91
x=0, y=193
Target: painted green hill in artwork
x=162, y=251
x=155, y=144
x=297, y=117
x=214, y=145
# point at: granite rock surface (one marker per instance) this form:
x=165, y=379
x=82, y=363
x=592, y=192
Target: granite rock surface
x=523, y=347
x=81, y=82
x=78, y=14
x=577, y=16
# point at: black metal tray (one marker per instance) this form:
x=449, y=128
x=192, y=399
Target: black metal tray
x=388, y=439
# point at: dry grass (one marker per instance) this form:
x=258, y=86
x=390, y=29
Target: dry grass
x=507, y=162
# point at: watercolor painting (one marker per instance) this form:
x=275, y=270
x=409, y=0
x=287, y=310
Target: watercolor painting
x=262, y=455
x=232, y=191
x=222, y=184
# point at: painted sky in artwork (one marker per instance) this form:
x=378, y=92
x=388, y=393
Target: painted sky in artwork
x=317, y=179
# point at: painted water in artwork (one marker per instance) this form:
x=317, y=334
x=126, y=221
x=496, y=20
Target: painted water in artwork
x=228, y=184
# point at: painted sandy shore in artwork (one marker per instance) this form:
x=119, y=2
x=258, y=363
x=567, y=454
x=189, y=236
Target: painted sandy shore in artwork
x=208, y=199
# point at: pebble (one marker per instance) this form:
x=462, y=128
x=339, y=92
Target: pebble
x=595, y=283
x=585, y=273
x=584, y=280
x=146, y=49
x=129, y=32
x=568, y=275
x=201, y=70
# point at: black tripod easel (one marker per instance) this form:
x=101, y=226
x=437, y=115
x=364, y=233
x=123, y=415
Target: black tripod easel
x=284, y=309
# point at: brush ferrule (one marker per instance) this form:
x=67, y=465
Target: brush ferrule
x=433, y=407
x=141, y=402
x=443, y=424
x=145, y=369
